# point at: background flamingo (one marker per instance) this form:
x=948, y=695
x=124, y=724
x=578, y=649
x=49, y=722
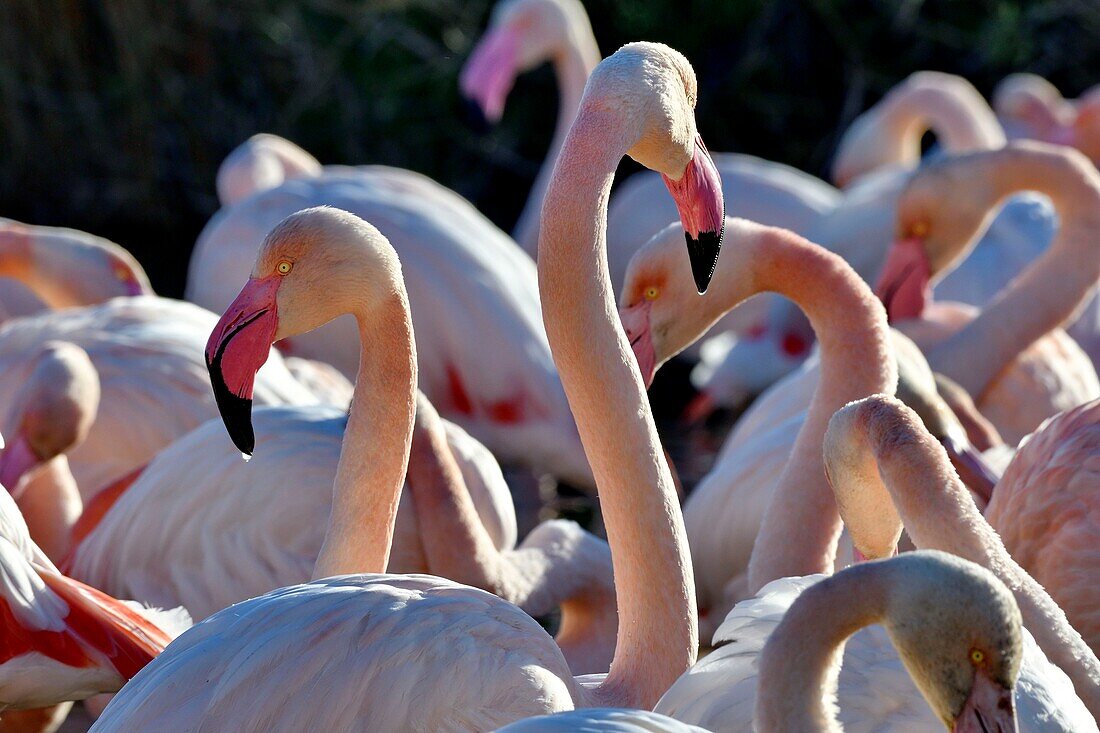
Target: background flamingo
x=1044, y=511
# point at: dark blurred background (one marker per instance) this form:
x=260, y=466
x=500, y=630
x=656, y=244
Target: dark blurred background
x=115, y=114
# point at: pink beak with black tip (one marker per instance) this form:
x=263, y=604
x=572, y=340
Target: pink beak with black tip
x=635, y=320
x=491, y=70
x=237, y=348
x=904, y=286
x=989, y=709
x=698, y=196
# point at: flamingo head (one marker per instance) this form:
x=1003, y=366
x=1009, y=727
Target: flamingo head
x=522, y=34
x=56, y=412
x=314, y=266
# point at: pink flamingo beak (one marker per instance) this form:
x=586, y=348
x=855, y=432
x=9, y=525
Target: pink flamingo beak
x=698, y=196
x=635, y=320
x=989, y=709
x=491, y=70
x=17, y=460
x=903, y=286
x=238, y=346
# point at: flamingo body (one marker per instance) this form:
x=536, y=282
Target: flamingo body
x=500, y=665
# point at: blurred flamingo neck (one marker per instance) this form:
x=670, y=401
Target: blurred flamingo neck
x=573, y=62
x=958, y=126
x=375, y=450
x=658, y=633
x=456, y=543
x=801, y=525
x=939, y=514
x=799, y=664
x=1053, y=288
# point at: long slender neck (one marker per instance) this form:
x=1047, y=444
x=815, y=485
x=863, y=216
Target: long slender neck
x=572, y=64
x=658, y=632
x=800, y=662
x=375, y=451
x=1050, y=290
x=801, y=525
x=456, y=543
x=940, y=515
x=958, y=123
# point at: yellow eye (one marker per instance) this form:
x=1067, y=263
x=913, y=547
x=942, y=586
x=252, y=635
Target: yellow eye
x=651, y=293
x=977, y=656
x=919, y=229
x=284, y=267
x=121, y=273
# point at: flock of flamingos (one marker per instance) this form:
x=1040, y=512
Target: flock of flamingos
x=927, y=382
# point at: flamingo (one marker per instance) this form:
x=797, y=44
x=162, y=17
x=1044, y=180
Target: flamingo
x=661, y=315
x=861, y=225
x=526, y=33
x=51, y=268
x=484, y=360
x=63, y=640
x=1012, y=354
x=147, y=352
x=885, y=470
x=716, y=692
x=262, y=162
x=1044, y=510
x=53, y=413
x=1032, y=108
x=242, y=529
x=406, y=629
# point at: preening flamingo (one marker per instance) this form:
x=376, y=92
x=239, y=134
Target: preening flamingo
x=52, y=413
x=1012, y=355
x=861, y=225
x=52, y=268
x=63, y=640
x=1032, y=108
x=500, y=666
x=262, y=162
x=524, y=34
x=1045, y=511
x=947, y=653
x=483, y=357
x=241, y=529
x=885, y=470
x=148, y=354
x=662, y=314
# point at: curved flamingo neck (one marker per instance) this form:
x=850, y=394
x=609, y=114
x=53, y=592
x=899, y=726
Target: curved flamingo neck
x=801, y=526
x=658, y=632
x=456, y=544
x=800, y=663
x=1052, y=288
x=375, y=451
x=573, y=62
x=959, y=124
x=915, y=472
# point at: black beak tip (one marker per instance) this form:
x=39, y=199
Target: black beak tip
x=703, y=254
x=474, y=118
x=236, y=413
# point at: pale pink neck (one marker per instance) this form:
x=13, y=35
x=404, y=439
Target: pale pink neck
x=375, y=451
x=456, y=544
x=958, y=122
x=1051, y=289
x=573, y=62
x=939, y=514
x=799, y=664
x=658, y=632
x=801, y=525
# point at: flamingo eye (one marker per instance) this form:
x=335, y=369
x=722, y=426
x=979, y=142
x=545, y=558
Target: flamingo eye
x=977, y=656
x=121, y=272
x=284, y=267
x=651, y=293
x=919, y=229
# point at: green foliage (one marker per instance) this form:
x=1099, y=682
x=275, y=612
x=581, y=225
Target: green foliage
x=115, y=115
